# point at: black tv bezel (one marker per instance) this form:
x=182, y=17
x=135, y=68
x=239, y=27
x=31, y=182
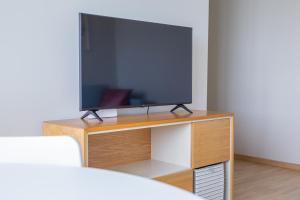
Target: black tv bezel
x=127, y=106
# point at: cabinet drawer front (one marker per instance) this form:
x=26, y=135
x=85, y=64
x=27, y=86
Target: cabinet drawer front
x=210, y=142
x=117, y=148
x=183, y=180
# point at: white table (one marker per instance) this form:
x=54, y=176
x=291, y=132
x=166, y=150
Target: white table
x=26, y=182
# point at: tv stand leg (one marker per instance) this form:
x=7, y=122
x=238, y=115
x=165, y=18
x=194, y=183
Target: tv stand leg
x=93, y=113
x=181, y=106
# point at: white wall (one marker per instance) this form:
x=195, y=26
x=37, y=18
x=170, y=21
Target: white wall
x=254, y=67
x=39, y=54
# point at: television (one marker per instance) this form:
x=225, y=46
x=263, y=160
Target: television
x=128, y=63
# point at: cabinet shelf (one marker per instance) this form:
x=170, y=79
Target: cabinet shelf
x=149, y=168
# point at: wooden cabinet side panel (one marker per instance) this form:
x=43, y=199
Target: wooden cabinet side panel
x=77, y=134
x=210, y=142
x=231, y=181
x=106, y=150
x=183, y=180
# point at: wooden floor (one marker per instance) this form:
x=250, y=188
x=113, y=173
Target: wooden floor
x=257, y=182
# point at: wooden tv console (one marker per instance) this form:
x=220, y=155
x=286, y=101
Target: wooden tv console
x=162, y=146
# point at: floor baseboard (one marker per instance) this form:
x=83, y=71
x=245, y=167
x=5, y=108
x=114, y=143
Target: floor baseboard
x=264, y=161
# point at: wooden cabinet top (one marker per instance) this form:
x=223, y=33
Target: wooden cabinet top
x=132, y=121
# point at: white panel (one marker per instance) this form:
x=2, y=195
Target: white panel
x=108, y=113
x=227, y=180
x=172, y=144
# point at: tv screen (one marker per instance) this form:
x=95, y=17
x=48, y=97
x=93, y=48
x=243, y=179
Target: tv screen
x=129, y=63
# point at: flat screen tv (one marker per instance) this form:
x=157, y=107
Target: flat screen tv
x=128, y=63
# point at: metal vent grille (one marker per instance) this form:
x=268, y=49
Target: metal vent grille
x=209, y=182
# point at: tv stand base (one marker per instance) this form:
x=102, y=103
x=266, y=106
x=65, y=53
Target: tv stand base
x=93, y=113
x=181, y=106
